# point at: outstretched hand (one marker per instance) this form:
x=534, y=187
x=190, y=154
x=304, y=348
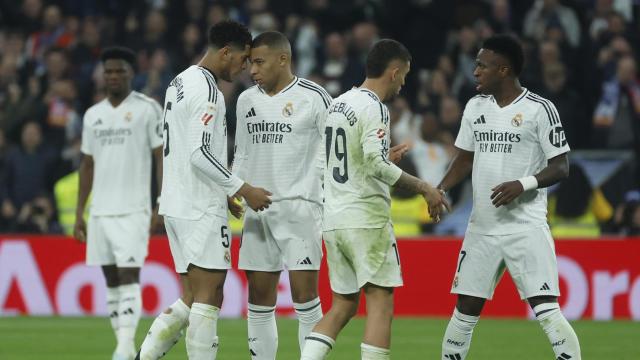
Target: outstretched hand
x=397, y=152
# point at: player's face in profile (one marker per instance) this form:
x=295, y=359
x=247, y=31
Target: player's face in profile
x=400, y=75
x=117, y=75
x=487, y=71
x=265, y=67
x=237, y=62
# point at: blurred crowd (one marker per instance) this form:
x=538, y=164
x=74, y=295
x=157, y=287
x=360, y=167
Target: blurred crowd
x=580, y=54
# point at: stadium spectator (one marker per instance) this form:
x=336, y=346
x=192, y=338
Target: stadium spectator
x=568, y=104
x=28, y=171
x=544, y=12
x=38, y=216
x=340, y=71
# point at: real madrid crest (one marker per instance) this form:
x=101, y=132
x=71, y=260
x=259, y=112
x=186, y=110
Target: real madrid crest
x=287, y=111
x=128, y=116
x=517, y=120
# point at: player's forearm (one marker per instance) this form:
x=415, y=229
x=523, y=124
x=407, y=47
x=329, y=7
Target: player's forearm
x=459, y=169
x=382, y=169
x=157, y=154
x=556, y=171
x=85, y=183
x=209, y=165
x=412, y=183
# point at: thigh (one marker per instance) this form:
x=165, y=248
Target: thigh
x=99, y=251
x=297, y=231
x=531, y=260
x=389, y=273
x=205, y=242
x=258, y=249
x=479, y=267
x=342, y=275
x=179, y=262
x=129, y=238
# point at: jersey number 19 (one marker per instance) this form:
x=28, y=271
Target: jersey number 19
x=340, y=152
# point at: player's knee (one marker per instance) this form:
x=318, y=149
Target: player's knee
x=470, y=305
x=303, y=295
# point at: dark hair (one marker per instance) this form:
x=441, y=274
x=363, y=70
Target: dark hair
x=509, y=47
x=574, y=194
x=272, y=39
x=229, y=32
x=119, y=53
x=382, y=53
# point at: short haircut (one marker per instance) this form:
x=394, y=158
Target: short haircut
x=229, y=33
x=381, y=55
x=273, y=40
x=509, y=47
x=119, y=53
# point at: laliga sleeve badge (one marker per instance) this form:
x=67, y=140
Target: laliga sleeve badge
x=517, y=120
x=455, y=281
x=287, y=111
x=227, y=256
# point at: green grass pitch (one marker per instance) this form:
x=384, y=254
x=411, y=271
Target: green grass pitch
x=413, y=338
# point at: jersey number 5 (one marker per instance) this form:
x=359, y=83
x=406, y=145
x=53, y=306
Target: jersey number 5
x=166, y=128
x=340, y=146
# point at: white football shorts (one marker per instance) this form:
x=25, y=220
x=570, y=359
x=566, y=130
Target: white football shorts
x=205, y=242
x=120, y=240
x=288, y=233
x=529, y=256
x=360, y=256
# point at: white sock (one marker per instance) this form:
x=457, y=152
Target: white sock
x=457, y=337
x=202, y=339
x=263, y=332
x=370, y=352
x=317, y=346
x=309, y=314
x=113, y=299
x=129, y=309
x=165, y=331
x=564, y=341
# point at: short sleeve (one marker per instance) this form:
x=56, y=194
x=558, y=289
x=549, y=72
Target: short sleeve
x=550, y=132
x=465, y=140
x=154, y=125
x=87, y=139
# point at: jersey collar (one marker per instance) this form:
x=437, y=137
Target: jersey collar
x=524, y=93
x=215, y=78
x=370, y=93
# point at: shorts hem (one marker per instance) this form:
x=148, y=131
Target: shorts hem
x=471, y=293
x=534, y=294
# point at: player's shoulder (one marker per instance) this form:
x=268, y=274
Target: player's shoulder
x=144, y=100
x=311, y=89
x=201, y=80
x=479, y=101
x=250, y=92
x=97, y=108
x=542, y=106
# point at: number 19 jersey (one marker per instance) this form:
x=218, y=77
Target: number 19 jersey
x=357, y=175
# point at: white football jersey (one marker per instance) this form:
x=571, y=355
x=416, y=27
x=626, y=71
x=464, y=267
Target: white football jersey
x=357, y=175
x=120, y=140
x=509, y=143
x=195, y=177
x=278, y=140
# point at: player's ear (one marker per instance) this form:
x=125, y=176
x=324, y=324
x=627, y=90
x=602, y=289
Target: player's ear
x=283, y=59
x=394, y=72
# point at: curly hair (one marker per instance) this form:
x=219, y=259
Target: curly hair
x=119, y=53
x=230, y=33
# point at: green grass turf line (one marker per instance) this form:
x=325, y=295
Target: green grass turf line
x=26, y=338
